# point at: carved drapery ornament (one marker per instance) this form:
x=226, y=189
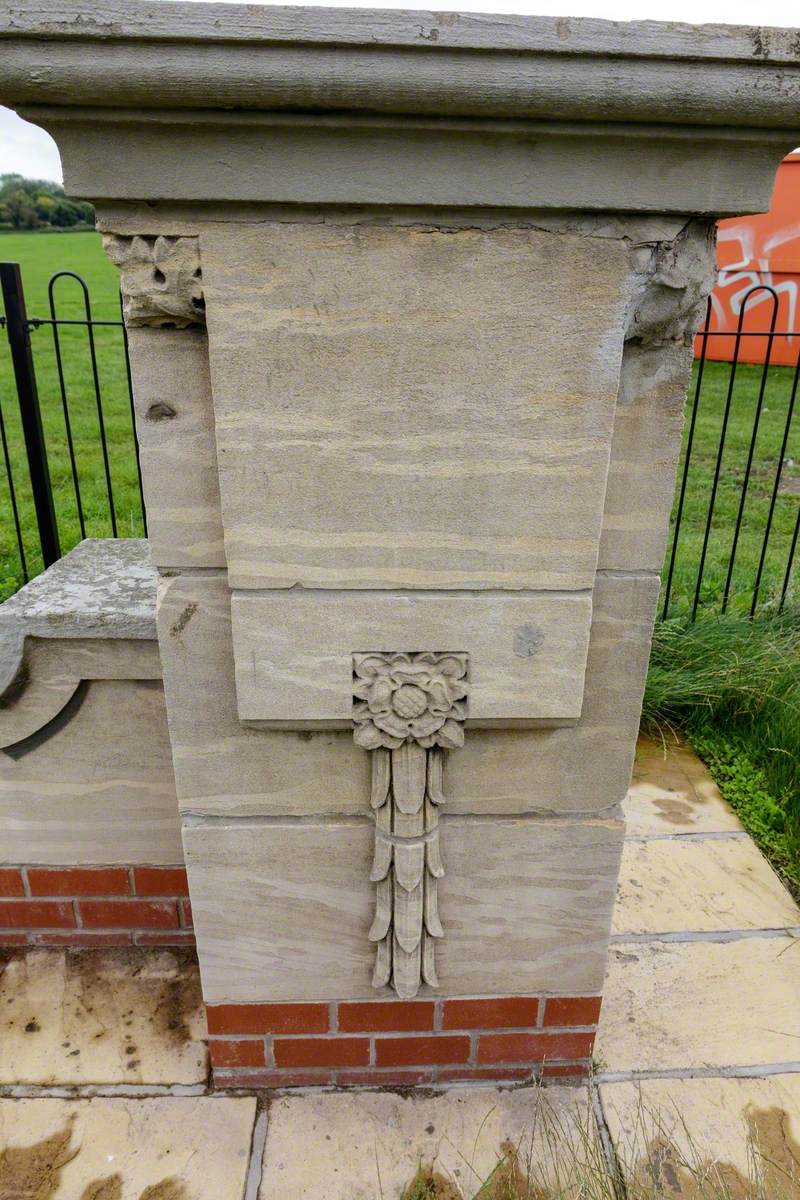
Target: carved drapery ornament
x=408, y=710
x=162, y=281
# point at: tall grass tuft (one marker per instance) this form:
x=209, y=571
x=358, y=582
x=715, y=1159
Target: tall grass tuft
x=656, y=1156
x=732, y=685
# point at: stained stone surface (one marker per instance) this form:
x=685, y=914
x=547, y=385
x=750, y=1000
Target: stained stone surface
x=672, y=792
x=282, y=909
x=160, y=1148
x=706, y=884
x=368, y=1145
x=728, y=1131
x=101, y=1016
x=409, y=437
x=701, y=1004
x=175, y=428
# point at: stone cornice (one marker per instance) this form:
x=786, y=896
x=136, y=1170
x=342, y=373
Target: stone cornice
x=197, y=56
x=206, y=104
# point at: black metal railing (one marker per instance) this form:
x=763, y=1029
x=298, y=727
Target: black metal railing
x=32, y=471
x=765, y=381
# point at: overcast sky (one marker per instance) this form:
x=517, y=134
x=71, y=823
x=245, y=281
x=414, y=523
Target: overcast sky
x=30, y=151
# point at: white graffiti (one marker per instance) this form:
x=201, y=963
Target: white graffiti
x=752, y=270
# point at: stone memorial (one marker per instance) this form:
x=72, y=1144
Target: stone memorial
x=410, y=300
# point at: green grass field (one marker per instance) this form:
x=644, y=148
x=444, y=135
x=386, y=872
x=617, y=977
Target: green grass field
x=41, y=254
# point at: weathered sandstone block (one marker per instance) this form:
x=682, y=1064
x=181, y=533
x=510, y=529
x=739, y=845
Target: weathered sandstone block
x=283, y=909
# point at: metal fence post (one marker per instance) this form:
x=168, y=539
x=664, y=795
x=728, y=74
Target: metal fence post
x=22, y=361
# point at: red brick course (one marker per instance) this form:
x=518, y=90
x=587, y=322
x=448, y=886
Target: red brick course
x=268, y=1018
x=128, y=914
x=389, y=1016
x=160, y=881
x=36, y=914
x=94, y=906
x=321, y=1052
x=247, y=1053
x=394, y=1043
x=78, y=881
x=11, y=882
x=572, y=1010
x=533, y=1047
x=421, y=1051
x=510, y=1012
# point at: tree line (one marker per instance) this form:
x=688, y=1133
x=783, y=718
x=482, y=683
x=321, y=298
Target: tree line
x=38, y=204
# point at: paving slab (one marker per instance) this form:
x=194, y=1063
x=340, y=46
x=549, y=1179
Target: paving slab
x=672, y=792
x=671, y=1005
x=370, y=1145
x=693, y=884
x=160, y=1148
x=101, y=1016
x=728, y=1132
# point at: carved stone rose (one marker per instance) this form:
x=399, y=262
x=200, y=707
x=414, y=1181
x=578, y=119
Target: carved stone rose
x=409, y=697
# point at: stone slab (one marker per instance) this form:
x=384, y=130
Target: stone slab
x=294, y=652
x=648, y=423
x=668, y=885
x=673, y=792
x=725, y=1132
x=701, y=1004
x=282, y=909
x=101, y=1016
x=178, y=453
x=375, y=433
x=159, y=1148
x=225, y=769
x=104, y=588
x=95, y=786
x=361, y=1146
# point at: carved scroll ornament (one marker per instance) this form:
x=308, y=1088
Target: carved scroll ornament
x=408, y=710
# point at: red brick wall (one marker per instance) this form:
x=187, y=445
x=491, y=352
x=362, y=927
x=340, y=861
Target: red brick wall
x=95, y=906
x=402, y=1043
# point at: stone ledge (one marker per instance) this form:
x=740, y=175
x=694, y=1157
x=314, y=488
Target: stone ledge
x=104, y=588
x=91, y=615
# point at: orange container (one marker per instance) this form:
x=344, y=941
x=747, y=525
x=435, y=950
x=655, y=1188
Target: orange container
x=755, y=253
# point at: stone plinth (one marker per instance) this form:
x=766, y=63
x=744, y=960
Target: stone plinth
x=410, y=302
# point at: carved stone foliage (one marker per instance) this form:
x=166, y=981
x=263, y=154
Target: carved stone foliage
x=162, y=282
x=418, y=697
x=408, y=710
